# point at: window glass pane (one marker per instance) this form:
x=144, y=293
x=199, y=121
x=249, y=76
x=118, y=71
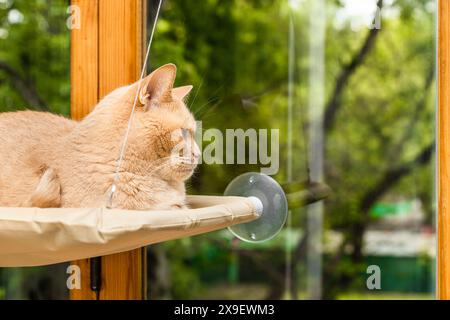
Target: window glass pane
x=350, y=87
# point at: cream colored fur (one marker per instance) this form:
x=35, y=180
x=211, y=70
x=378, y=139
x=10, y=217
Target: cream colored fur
x=50, y=161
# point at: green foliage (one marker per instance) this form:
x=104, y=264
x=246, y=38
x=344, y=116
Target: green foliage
x=34, y=41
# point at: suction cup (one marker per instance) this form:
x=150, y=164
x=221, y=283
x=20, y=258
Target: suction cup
x=270, y=202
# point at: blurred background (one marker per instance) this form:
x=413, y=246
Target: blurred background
x=350, y=84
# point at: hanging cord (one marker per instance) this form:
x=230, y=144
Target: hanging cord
x=130, y=120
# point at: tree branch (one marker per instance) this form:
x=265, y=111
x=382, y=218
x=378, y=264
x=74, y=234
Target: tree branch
x=420, y=106
x=392, y=176
x=347, y=71
x=24, y=87
x=389, y=179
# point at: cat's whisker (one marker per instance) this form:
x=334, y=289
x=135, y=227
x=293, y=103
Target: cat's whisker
x=214, y=100
x=198, y=110
x=124, y=170
x=167, y=163
x=211, y=97
x=207, y=112
x=218, y=89
x=196, y=93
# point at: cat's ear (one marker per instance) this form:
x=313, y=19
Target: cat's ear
x=159, y=84
x=181, y=92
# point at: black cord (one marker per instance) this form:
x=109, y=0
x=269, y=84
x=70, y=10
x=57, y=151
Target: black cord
x=96, y=275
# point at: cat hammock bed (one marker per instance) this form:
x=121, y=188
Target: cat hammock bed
x=254, y=209
x=35, y=236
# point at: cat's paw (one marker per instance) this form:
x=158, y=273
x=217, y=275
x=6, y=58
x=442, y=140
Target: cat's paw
x=48, y=191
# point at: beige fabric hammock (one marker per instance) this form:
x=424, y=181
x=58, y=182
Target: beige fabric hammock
x=34, y=236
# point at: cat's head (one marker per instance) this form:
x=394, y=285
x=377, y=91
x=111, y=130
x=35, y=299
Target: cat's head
x=163, y=128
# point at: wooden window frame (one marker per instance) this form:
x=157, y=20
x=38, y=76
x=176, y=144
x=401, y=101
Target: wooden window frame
x=443, y=255
x=107, y=52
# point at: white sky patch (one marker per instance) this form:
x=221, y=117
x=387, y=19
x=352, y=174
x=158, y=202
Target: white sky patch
x=15, y=16
x=296, y=4
x=360, y=13
x=358, y=8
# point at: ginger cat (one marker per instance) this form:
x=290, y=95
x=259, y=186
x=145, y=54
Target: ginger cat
x=50, y=161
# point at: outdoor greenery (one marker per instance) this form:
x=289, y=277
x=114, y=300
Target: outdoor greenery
x=379, y=111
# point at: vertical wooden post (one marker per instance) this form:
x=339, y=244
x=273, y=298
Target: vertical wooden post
x=107, y=52
x=444, y=150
